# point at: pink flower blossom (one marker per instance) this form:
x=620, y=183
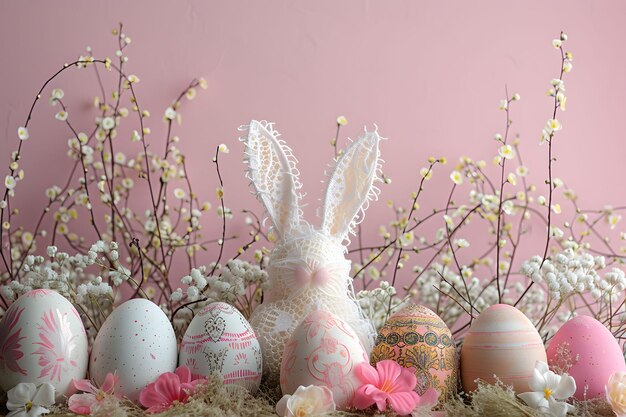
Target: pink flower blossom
x=168, y=389
x=389, y=382
x=84, y=403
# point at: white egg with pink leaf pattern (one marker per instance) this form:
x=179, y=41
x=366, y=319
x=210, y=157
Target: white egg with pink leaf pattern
x=42, y=339
x=325, y=351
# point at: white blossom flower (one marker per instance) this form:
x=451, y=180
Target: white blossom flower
x=22, y=133
x=61, y=115
x=28, y=400
x=223, y=148
x=616, y=393
x=342, y=121
x=306, y=401
x=456, y=177
x=557, y=43
x=108, y=123
x=426, y=173
x=549, y=391
x=504, y=104
x=170, y=113
x=506, y=151
x=179, y=193
x=553, y=125
x=9, y=182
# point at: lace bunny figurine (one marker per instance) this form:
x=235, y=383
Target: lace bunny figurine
x=307, y=268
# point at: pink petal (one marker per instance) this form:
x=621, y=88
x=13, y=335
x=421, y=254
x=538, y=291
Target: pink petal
x=84, y=385
x=81, y=403
x=388, y=370
x=281, y=406
x=362, y=398
x=110, y=381
x=367, y=374
x=168, y=385
x=184, y=374
x=149, y=397
x=404, y=403
x=406, y=381
x=368, y=394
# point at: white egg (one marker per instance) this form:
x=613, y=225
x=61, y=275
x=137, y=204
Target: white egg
x=325, y=351
x=220, y=341
x=138, y=342
x=42, y=339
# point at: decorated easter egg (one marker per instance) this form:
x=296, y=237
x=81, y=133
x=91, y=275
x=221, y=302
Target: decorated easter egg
x=323, y=350
x=138, y=342
x=503, y=342
x=220, y=341
x=42, y=339
x=584, y=348
x=419, y=340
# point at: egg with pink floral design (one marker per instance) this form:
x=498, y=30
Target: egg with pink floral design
x=42, y=339
x=137, y=342
x=325, y=351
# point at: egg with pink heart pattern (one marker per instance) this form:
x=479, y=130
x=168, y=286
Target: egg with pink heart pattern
x=323, y=350
x=42, y=339
x=219, y=340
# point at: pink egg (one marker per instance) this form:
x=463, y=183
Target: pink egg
x=501, y=342
x=588, y=352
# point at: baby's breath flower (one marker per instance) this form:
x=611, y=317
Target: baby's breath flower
x=203, y=84
x=504, y=104
x=135, y=136
x=191, y=94
x=22, y=133
x=223, y=148
x=557, y=43
x=133, y=79
x=342, y=121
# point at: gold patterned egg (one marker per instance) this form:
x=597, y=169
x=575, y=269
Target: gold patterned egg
x=418, y=339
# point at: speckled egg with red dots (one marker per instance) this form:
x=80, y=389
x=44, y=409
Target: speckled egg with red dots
x=138, y=342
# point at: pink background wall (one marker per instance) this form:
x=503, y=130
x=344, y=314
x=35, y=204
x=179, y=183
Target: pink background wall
x=430, y=74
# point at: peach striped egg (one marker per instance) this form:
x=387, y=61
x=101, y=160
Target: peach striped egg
x=502, y=342
x=220, y=341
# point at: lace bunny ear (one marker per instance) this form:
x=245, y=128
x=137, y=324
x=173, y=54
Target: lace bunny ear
x=273, y=174
x=351, y=186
